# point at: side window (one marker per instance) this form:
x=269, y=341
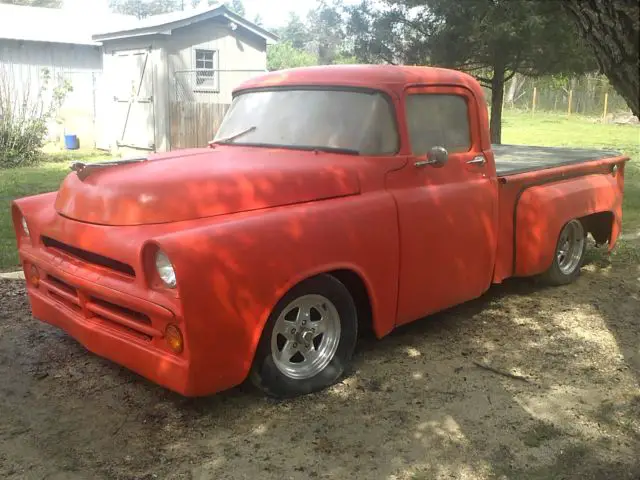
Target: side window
x=205, y=68
x=438, y=120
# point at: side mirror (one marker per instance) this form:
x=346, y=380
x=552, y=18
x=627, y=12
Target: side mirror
x=437, y=157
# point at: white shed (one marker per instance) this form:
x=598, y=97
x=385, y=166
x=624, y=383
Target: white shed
x=170, y=78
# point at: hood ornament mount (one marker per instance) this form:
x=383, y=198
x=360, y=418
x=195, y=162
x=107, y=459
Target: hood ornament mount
x=84, y=169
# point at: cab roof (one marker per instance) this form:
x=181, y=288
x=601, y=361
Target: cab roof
x=383, y=77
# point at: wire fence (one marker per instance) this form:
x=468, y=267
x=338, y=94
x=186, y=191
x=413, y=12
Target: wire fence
x=590, y=95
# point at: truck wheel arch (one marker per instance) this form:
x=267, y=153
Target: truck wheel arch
x=355, y=282
x=599, y=225
x=353, y=278
x=542, y=211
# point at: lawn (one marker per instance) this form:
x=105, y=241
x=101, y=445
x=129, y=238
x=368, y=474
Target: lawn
x=20, y=182
x=523, y=128
x=576, y=131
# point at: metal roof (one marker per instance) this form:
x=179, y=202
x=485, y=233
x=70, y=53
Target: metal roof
x=79, y=27
x=164, y=24
x=56, y=25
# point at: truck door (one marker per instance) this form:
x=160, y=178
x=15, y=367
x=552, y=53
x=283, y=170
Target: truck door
x=447, y=214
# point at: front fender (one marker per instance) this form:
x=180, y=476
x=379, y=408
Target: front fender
x=232, y=272
x=543, y=210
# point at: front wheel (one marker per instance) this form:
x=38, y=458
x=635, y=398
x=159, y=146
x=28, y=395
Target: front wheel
x=308, y=340
x=568, y=256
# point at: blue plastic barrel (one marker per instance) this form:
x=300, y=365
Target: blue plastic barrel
x=71, y=142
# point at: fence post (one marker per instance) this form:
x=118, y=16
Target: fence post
x=606, y=104
x=570, y=101
x=533, y=102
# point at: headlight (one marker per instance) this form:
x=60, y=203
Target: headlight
x=25, y=227
x=165, y=269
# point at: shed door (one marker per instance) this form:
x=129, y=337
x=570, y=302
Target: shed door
x=132, y=74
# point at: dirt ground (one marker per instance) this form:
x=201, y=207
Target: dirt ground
x=416, y=406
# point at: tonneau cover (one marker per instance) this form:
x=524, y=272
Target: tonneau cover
x=512, y=159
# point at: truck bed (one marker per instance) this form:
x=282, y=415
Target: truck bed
x=513, y=159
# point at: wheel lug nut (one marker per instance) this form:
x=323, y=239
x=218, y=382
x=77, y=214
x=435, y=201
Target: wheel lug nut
x=304, y=322
x=295, y=345
x=293, y=330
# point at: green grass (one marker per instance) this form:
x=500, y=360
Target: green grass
x=577, y=131
x=22, y=182
x=519, y=128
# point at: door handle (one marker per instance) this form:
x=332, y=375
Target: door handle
x=479, y=160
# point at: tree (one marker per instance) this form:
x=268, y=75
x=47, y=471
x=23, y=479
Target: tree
x=35, y=3
x=236, y=6
x=326, y=28
x=284, y=55
x=145, y=8
x=295, y=32
x=612, y=29
x=492, y=39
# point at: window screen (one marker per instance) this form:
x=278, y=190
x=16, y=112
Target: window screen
x=437, y=120
x=205, y=68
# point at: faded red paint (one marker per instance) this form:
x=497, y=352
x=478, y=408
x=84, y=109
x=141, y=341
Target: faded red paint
x=240, y=234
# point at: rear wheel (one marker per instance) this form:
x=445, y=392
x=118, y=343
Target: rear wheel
x=568, y=256
x=308, y=340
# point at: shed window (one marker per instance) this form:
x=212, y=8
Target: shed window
x=205, y=68
x=437, y=120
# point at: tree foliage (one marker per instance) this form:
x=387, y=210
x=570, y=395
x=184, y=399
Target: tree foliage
x=284, y=55
x=326, y=28
x=612, y=29
x=26, y=111
x=295, y=32
x=35, y=3
x=236, y=6
x=320, y=39
x=492, y=39
x=145, y=8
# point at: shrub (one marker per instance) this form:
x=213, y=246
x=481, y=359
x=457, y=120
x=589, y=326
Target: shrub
x=24, y=117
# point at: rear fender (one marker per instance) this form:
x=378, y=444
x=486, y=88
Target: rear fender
x=543, y=210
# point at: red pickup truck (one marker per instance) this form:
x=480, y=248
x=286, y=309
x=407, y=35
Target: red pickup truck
x=331, y=199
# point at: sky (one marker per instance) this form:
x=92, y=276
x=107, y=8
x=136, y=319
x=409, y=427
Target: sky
x=274, y=13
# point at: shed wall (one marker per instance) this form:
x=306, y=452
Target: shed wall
x=21, y=74
x=184, y=114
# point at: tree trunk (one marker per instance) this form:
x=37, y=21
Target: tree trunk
x=497, y=94
x=612, y=28
x=514, y=87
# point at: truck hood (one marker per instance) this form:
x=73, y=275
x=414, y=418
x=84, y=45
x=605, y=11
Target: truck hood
x=200, y=183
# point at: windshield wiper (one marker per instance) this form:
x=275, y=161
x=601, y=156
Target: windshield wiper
x=346, y=151
x=230, y=138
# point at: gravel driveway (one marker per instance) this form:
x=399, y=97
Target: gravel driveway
x=525, y=383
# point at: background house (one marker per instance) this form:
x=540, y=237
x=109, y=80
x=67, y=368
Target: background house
x=170, y=78
x=41, y=43
x=151, y=85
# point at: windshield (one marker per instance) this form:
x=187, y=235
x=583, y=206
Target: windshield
x=350, y=121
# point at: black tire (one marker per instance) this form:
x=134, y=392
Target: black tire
x=269, y=378
x=555, y=276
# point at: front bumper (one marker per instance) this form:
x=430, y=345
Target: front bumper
x=123, y=328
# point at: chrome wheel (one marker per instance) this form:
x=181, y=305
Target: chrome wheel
x=570, y=247
x=305, y=336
